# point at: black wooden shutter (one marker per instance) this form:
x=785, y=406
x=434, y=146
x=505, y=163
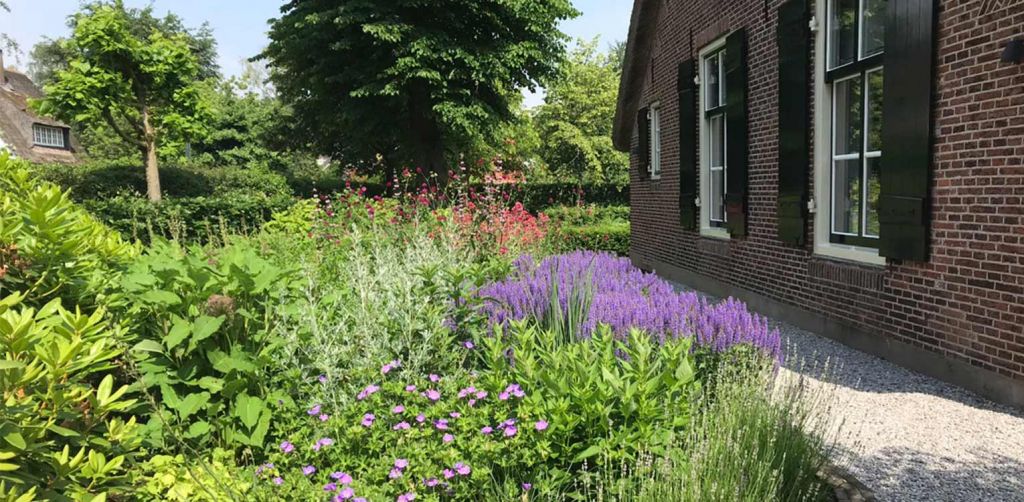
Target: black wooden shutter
x=736, y=133
x=907, y=129
x=687, y=144
x=643, y=128
x=794, y=43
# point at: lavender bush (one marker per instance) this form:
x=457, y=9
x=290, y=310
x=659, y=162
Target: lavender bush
x=623, y=297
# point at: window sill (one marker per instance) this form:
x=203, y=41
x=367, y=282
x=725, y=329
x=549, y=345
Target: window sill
x=850, y=253
x=715, y=233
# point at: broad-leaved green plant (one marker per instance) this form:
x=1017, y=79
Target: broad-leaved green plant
x=62, y=431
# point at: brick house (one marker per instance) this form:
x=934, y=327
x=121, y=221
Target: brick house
x=854, y=167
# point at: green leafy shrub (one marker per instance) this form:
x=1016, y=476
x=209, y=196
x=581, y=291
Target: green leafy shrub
x=102, y=179
x=60, y=423
x=587, y=214
x=295, y=221
x=305, y=181
x=590, y=227
x=201, y=204
x=763, y=437
x=537, y=196
x=610, y=237
x=204, y=324
x=49, y=247
x=181, y=479
x=613, y=398
x=192, y=219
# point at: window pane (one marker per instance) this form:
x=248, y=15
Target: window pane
x=721, y=78
x=718, y=195
x=717, y=138
x=48, y=136
x=843, y=35
x=874, y=110
x=655, y=141
x=848, y=104
x=873, y=27
x=846, y=199
x=711, y=88
x=874, y=175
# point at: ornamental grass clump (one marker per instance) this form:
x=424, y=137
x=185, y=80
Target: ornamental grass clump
x=610, y=290
x=766, y=436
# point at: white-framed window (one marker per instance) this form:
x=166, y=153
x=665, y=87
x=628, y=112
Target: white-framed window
x=43, y=135
x=849, y=79
x=654, y=120
x=714, y=162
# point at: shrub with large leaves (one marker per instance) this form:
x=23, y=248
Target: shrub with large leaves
x=61, y=432
x=206, y=345
x=189, y=479
x=49, y=247
x=608, y=398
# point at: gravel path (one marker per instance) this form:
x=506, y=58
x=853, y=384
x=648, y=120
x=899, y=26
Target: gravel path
x=909, y=437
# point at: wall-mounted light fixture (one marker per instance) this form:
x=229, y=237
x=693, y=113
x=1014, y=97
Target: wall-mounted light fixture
x=1014, y=51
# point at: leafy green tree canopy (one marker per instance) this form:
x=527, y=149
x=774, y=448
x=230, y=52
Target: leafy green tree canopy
x=52, y=55
x=410, y=79
x=576, y=117
x=141, y=85
x=250, y=127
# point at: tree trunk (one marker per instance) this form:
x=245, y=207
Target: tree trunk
x=427, y=139
x=149, y=154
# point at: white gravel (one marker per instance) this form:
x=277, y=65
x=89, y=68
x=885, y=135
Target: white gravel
x=906, y=436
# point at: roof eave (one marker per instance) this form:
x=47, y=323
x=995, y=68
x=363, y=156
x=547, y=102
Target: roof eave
x=639, y=46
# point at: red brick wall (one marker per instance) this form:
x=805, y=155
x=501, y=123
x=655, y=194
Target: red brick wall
x=967, y=302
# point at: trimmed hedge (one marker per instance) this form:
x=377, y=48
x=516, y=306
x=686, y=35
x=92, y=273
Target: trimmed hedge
x=608, y=236
x=195, y=219
x=201, y=203
x=588, y=214
x=108, y=179
x=591, y=227
x=534, y=196
x=538, y=196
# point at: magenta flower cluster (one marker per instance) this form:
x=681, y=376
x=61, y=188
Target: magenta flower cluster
x=624, y=297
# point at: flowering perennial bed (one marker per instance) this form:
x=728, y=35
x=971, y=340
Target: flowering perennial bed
x=406, y=436
x=624, y=297
x=344, y=353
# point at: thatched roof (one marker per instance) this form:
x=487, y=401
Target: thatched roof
x=642, y=27
x=16, y=120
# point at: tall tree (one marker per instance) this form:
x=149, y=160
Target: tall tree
x=48, y=57
x=575, y=120
x=52, y=55
x=617, y=54
x=410, y=79
x=140, y=84
x=249, y=127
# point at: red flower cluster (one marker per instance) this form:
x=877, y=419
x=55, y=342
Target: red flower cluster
x=505, y=229
x=484, y=219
